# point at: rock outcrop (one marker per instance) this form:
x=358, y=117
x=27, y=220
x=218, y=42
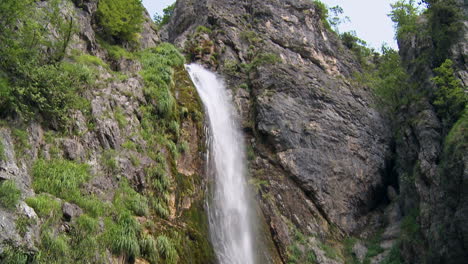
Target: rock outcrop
x=320, y=147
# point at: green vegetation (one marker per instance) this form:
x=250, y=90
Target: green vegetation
x=358, y=47
x=450, y=96
x=23, y=223
x=445, y=25
x=119, y=116
x=109, y=161
x=410, y=229
x=389, y=80
x=167, y=14
x=61, y=178
x=121, y=20
x=14, y=255
x=405, y=14
x=45, y=205
x=322, y=11
x=2, y=151
x=166, y=249
x=394, y=257
x=9, y=194
x=32, y=81
x=349, y=254
x=122, y=235
x=126, y=197
x=300, y=251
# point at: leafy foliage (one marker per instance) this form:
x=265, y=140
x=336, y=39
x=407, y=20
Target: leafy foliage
x=445, y=24
x=121, y=19
x=389, y=81
x=358, y=47
x=33, y=78
x=450, y=96
x=9, y=194
x=405, y=14
x=167, y=14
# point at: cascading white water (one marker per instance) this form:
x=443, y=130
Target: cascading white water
x=229, y=205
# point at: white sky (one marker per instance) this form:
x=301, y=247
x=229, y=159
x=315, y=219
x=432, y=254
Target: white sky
x=368, y=18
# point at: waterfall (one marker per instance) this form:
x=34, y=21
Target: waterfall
x=228, y=202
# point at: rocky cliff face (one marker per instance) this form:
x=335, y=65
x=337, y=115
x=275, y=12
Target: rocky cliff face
x=130, y=160
x=319, y=148
x=431, y=162
x=333, y=183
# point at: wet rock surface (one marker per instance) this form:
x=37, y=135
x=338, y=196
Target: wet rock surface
x=323, y=145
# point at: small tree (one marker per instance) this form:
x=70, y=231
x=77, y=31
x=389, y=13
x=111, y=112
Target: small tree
x=121, y=19
x=167, y=14
x=450, y=96
x=404, y=14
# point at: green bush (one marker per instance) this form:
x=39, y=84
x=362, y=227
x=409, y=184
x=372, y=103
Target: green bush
x=450, y=96
x=322, y=11
x=9, y=194
x=50, y=89
x=446, y=20
x=390, y=81
x=405, y=14
x=121, y=19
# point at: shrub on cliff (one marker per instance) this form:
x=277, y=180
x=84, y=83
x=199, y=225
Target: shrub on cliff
x=120, y=19
x=450, y=97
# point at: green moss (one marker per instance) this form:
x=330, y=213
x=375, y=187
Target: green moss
x=300, y=251
x=9, y=194
x=23, y=223
x=128, y=144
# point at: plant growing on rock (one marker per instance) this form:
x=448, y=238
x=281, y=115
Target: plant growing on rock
x=450, y=96
x=120, y=19
x=9, y=194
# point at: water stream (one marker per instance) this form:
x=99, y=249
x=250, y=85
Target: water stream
x=229, y=209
